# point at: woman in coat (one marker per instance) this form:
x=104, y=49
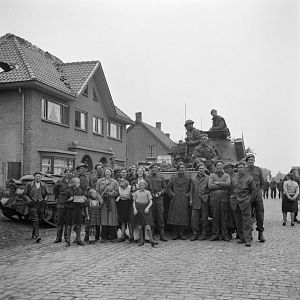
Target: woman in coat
x=108, y=188
x=179, y=210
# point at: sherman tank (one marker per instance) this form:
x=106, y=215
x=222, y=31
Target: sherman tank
x=13, y=204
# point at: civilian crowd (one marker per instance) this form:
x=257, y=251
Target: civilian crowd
x=214, y=204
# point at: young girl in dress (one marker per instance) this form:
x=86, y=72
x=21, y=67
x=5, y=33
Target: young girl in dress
x=142, y=202
x=94, y=204
x=124, y=204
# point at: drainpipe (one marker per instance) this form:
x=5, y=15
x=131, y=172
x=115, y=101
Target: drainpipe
x=22, y=130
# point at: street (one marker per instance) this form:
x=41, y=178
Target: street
x=171, y=270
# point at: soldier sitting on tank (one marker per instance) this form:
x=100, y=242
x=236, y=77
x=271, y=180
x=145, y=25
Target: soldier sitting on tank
x=219, y=128
x=206, y=153
x=193, y=136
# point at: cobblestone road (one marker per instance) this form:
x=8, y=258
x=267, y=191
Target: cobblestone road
x=172, y=270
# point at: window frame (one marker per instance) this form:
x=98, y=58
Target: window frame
x=118, y=138
x=64, y=112
x=86, y=120
x=153, y=150
x=52, y=160
x=102, y=121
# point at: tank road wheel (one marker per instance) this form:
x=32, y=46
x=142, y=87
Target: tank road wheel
x=8, y=213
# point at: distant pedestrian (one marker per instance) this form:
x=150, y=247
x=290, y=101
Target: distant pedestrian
x=289, y=198
x=35, y=193
x=93, y=219
x=219, y=185
x=124, y=205
x=142, y=202
x=243, y=192
x=265, y=189
x=179, y=209
x=273, y=187
x=280, y=188
x=297, y=179
x=76, y=205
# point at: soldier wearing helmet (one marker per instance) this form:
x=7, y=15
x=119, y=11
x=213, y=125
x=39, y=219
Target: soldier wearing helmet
x=193, y=136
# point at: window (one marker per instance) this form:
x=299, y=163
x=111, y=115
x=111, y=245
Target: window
x=95, y=95
x=81, y=120
x=114, y=131
x=55, y=112
x=56, y=165
x=151, y=151
x=86, y=91
x=98, y=125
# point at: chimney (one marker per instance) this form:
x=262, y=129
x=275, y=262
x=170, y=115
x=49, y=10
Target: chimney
x=158, y=125
x=167, y=134
x=138, y=116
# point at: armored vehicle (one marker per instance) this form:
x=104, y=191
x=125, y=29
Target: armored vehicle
x=14, y=205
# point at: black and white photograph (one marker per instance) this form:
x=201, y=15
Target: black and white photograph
x=149, y=149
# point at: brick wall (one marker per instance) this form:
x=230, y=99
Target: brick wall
x=10, y=125
x=137, y=140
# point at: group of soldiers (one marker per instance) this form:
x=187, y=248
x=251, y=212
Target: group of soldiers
x=230, y=194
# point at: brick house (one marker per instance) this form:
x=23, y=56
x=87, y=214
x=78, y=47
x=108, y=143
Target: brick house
x=147, y=144
x=54, y=114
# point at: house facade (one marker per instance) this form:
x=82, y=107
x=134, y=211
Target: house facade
x=54, y=114
x=147, y=144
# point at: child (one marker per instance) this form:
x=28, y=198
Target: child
x=142, y=201
x=93, y=213
x=75, y=204
x=124, y=204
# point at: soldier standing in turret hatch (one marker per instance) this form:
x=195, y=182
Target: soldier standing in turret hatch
x=219, y=125
x=257, y=203
x=193, y=136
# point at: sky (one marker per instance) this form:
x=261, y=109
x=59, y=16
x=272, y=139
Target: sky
x=241, y=57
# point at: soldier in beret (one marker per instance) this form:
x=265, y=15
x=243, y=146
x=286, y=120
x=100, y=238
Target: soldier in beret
x=257, y=202
x=157, y=187
x=60, y=192
x=219, y=125
x=206, y=153
x=243, y=191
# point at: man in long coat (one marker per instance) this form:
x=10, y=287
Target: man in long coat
x=179, y=209
x=243, y=191
x=199, y=198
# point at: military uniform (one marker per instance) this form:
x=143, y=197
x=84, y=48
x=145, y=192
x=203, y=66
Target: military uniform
x=60, y=192
x=219, y=201
x=208, y=152
x=191, y=136
x=36, y=197
x=200, y=200
x=179, y=209
x=258, y=203
x=157, y=185
x=243, y=189
x=219, y=125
